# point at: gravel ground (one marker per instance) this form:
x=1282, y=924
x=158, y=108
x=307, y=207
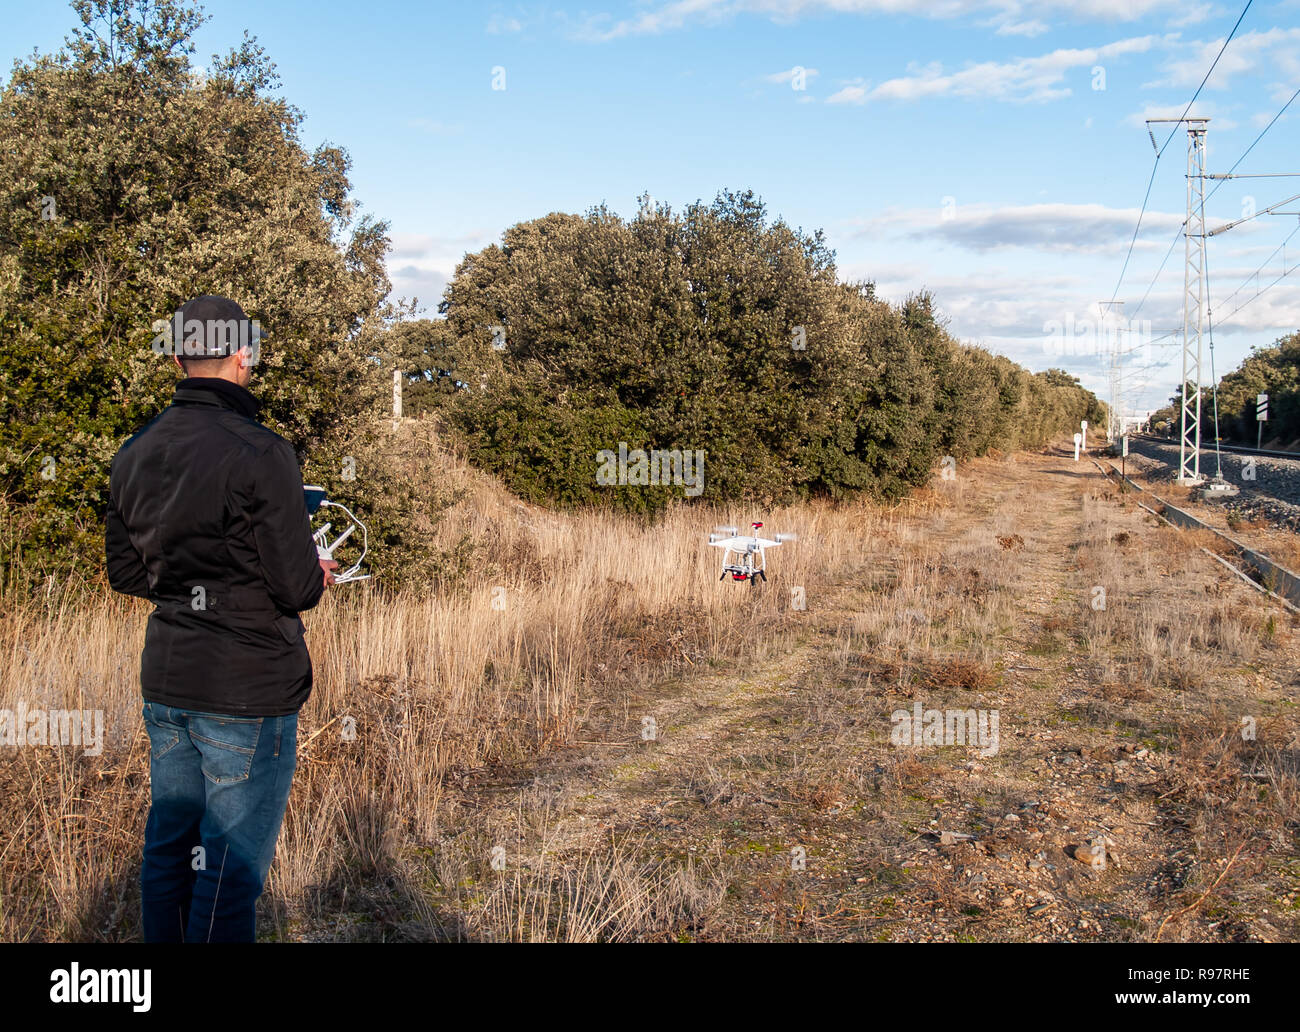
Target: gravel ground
x=1272, y=496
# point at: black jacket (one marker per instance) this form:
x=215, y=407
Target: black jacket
x=207, y=520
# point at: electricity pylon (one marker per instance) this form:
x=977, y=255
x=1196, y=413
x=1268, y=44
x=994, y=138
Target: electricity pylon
x=1189, y=448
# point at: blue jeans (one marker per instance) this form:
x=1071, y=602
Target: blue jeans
x=219, y=787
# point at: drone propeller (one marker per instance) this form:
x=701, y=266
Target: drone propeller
x=779, y=538
x=730, y=531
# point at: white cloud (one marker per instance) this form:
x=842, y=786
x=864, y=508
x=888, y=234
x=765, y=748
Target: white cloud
x=413, y=281
x=1023, y=79
x=991, y=307
x=421, y=265
x=1194, y=15
x=854, y=93
x=1247, y=53
x=1008, y=16
x=1268, y=308
x=1059, y=228
x=447, y=250
x=500, y=25
x=1026, y=28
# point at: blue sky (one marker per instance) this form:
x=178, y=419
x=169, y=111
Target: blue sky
x=991, y=151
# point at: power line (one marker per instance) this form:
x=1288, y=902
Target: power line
x=1179, y=233
x=1261, y=293
x=1172, y=245
x=1160, y=151
x=1252, y=146
x=1247, y=280
x=1145, y=199
x=1235, y=164
x=1174, y=130
x=1154, y=367
x=1175, y=332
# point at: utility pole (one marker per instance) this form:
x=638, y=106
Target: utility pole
x=1115, y=418
x=1189, y=448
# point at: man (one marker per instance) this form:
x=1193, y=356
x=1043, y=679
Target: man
x=207, y=520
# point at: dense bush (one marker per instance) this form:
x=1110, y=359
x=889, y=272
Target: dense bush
x=164, y=185
x=1273, y=370
x=718, y=331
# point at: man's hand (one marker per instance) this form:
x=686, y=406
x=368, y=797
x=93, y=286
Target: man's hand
x=328, y=566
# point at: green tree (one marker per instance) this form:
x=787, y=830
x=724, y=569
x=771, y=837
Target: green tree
x=129, y=182
x=718, y=330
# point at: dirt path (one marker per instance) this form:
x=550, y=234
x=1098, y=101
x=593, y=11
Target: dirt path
x=778, y=789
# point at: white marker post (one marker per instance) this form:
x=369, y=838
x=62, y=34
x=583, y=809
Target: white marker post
x=397, y=397
x=1077, y=439
x=1261, y=417
x=1084, y=423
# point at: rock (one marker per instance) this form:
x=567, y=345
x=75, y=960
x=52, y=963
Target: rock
x=1092, y=853
x=951, y=838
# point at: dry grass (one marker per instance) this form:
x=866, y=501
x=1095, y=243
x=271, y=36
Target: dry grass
x=555, y=616
x=497, y=787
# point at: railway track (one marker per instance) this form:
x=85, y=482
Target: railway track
x=1269, y=481
x=1237, y=448
x=1257, y=569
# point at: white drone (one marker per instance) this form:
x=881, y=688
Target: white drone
x=742, y=557
x=325, y=549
